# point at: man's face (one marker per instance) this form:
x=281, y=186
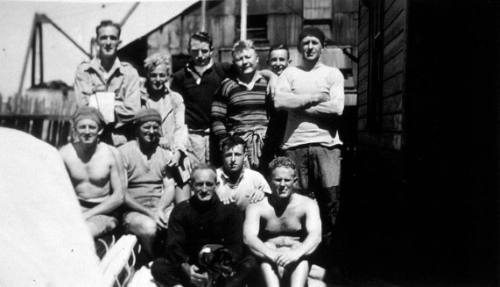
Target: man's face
x=204, y=183
x=246, y=61
x=87, y=131
x=200, y=52
x=311, y=48
x=149, y=132
x=108, y=41
x=282, y=181
x=158, y=77
x=233, y=159
x=278, y=60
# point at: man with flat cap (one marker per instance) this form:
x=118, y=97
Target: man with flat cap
x=94, y=169
x=313, y=95
x=151, y=185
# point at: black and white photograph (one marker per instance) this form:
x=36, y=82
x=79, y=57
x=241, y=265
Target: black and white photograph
x=249, y=143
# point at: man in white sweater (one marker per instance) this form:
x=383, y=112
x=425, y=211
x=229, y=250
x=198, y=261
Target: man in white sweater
x=313, y=95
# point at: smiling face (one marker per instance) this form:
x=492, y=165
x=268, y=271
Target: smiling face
x=158, y=77
x=203, y=184
x=233, y=159
x=311, y=48
x=282, y=181
x=278, y=60
x=108, y=40
x=149, y=132
x=87, y=131
x=200, y=52
x=246, y=61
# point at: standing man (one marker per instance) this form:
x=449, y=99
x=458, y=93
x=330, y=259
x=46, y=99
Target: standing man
x=94, y=171
x=151, y=185
x=236, y=183
x=284, y=229
x=194, y=223
x=239, y=108
x=278, y=60
x=106, y=77
x=313, y=95
x=197, y=82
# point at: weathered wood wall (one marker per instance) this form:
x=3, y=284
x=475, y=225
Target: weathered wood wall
x=389, y=135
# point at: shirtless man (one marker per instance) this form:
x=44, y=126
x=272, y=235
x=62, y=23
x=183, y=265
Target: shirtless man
x=94, y=171
x=283, y=229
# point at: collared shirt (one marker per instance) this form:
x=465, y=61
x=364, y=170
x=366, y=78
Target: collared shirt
x=171, y=108
x=198, y=71
x=237, y=109
x=198, y=95
x=122, y=79
x=240, y=191
x=249, y=86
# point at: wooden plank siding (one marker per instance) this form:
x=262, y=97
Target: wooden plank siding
x=389, y=133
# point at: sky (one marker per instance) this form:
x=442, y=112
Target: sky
x=78, y=19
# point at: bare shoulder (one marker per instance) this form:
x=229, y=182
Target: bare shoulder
x=262, y=207
x=67, y=151
x=304, y=202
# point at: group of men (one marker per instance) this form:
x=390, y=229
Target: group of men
x=149, y=164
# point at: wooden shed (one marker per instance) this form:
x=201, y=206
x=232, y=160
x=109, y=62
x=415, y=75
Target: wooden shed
x=422, y=203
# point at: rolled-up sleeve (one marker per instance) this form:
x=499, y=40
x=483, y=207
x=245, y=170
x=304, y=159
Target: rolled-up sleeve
x=129, y=100
x=83, y=86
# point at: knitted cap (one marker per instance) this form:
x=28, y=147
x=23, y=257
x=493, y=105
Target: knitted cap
x=146, y=115
x=88, y=113
x=314, y=32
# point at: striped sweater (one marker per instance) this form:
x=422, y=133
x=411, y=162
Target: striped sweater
x=238, y=109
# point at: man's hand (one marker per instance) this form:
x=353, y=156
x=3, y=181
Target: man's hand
x=159, y=216
x=256, y=196
x=272, y=85
x=174, y=161
x=319, y=98
x=198, y=279
x=224, y=194
x=288, y=257
x=163, y=143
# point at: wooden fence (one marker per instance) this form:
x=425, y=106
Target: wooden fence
x=43, y=113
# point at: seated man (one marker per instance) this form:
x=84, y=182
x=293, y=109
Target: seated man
x=94, y=169
x=193, y=224
x=151, y=186
x=284, y=229
x=237, y=183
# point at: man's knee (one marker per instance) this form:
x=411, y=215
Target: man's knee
x=140, y=224
x=101, y=224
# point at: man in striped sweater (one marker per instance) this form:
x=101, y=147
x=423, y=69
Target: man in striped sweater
x=239, y=108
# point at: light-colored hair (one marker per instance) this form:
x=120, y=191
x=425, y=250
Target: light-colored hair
x=242, y=45
x=157, y=59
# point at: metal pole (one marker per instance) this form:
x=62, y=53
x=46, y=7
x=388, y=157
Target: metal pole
x=26, y=56
x=47, y=19
x=203, y=15
x=132, y=9
x=33, y=56
x=243, y=20
x=40, y=50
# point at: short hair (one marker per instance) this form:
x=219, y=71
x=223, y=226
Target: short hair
x=203, y=166
x=313, y=32
x=279, y=47
x=281, y=161
x=232, y=141
x=106, y=23
x=202, y=37
x=157, y=59
x=242, y=45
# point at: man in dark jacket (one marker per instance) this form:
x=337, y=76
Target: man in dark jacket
x=193, y=224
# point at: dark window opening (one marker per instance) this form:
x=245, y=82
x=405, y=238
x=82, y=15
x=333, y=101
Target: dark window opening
x=256, y=28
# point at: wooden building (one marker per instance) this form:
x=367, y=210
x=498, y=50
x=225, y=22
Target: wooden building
x=421, y=205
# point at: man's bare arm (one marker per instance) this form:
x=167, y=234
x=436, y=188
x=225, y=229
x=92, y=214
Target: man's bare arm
x=251, y=229
x=117, y=196
x=166, y=199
